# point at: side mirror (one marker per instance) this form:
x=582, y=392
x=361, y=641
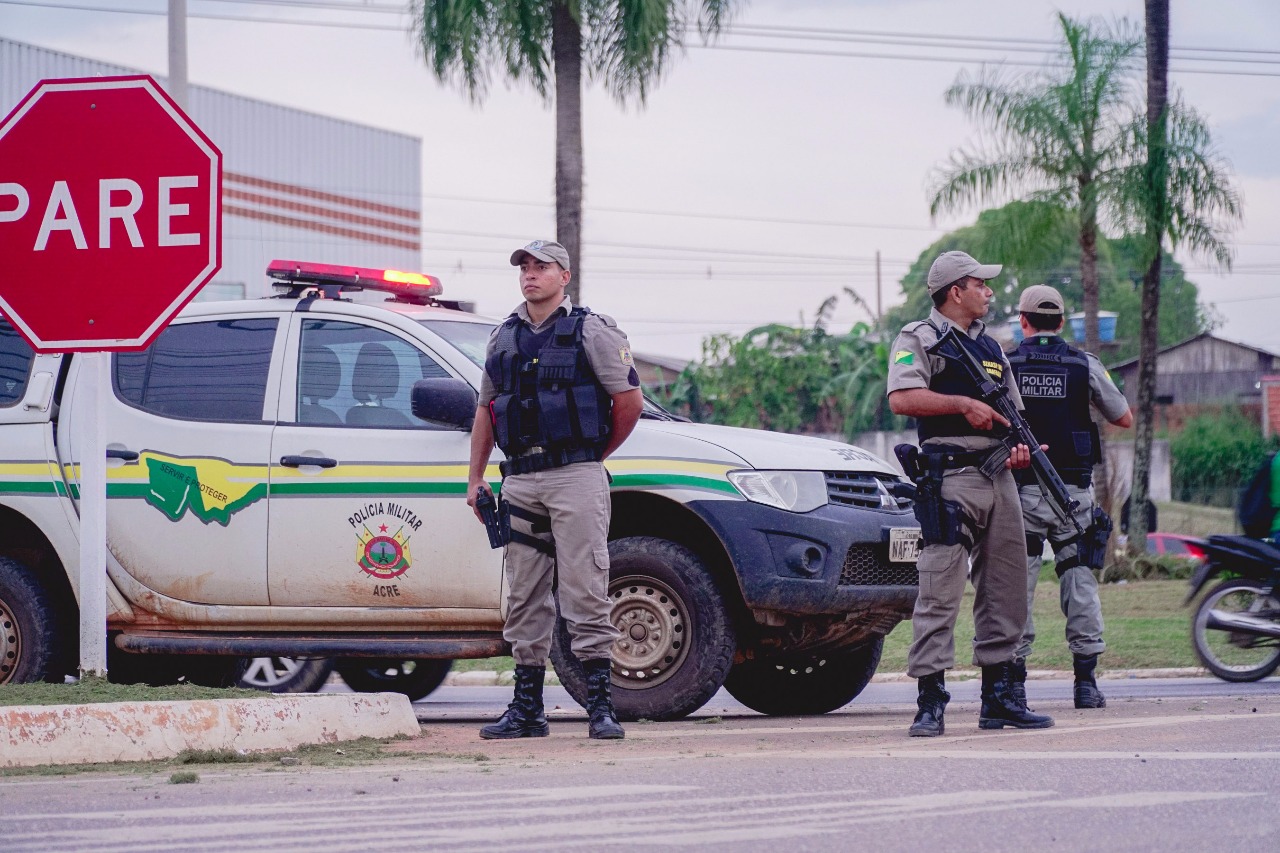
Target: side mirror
x=446, y=402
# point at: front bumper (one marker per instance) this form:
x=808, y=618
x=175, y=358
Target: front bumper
x=832, y=561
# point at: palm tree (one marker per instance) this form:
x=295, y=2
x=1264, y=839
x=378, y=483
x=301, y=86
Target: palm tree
x=1182, y=193
x=626, y=43
x=1059, y=136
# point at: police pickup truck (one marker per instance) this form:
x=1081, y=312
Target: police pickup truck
x=271, y=495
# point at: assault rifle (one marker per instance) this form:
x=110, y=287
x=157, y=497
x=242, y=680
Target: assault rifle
x=996, y=395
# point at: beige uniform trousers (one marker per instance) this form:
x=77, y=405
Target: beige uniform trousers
x=999, y=577
x=576, y=497
x=1077, y=588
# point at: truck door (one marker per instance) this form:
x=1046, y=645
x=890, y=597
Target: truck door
x=367, y=506
x=188, y=429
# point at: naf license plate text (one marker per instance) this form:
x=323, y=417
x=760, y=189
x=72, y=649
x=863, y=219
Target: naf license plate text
x=904, y=544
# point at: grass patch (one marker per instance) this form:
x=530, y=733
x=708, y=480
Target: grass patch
x=95, y=690
x=184, y=777
x=500, y=664
x=1146, y=627
x=1195, y=519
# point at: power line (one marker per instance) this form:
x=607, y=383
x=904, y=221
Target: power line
x=742, y=48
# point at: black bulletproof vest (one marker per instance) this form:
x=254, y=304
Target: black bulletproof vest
x=1053, y=379
x=953, y=379
x=547, y=394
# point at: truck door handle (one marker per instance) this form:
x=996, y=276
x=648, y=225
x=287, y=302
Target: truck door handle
x=318, y=461
x=126, y=455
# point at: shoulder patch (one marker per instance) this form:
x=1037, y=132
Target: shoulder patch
x=624, y=355
x=904, y=356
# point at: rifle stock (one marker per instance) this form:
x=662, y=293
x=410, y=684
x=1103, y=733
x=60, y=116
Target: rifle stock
x=996, y=395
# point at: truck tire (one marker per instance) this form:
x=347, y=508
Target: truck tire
x=414, y=678
x=793, y=685
x=286, y=675
x=213, y=670
x=29, y=629
x=677, y=641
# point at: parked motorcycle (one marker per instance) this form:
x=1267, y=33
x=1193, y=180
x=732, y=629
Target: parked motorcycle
x=1236, y=629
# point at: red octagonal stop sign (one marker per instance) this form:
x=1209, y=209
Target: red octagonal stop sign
x=110, y=213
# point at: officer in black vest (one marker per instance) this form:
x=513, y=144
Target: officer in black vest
x=1058, y=383
x=559, y=394
x=968, y=513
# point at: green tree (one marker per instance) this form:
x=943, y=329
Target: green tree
x=1181, y=194
x=792, y=379
x=1062, y=136
x=1037, y=244
x=626, y=43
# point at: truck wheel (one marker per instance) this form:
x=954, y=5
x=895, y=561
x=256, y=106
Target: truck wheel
x=28, y=627
x=287, y=675
x=213, y=670
x=413, y=678
x=676, y=643
x=792, y=685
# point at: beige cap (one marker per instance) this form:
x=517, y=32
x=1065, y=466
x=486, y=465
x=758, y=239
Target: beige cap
x=544, y=250
x=950, y=267
x=1041, y=299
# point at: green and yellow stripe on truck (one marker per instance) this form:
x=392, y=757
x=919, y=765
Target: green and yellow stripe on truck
x=214, y=489
x=21, y=477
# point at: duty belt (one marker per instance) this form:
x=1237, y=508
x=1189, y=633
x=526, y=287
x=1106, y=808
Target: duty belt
x=952, y=458
x=540, y=459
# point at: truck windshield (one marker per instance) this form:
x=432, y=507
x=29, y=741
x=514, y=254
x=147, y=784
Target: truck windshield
x=470, y=339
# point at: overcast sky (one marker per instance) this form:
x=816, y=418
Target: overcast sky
x=761, y=177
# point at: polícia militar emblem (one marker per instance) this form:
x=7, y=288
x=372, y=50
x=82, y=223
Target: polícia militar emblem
x=383, y=555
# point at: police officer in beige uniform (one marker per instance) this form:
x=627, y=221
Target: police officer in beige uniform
x=559, y=394
x=979, y=518
x=1058, y=384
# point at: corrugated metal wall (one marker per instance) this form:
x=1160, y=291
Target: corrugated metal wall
x=296, y=185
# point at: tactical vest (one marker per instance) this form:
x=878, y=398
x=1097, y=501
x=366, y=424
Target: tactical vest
x=1053, y=379
x=547, y=394
x=953, y=379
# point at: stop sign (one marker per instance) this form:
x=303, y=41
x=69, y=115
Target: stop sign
x=110, y=213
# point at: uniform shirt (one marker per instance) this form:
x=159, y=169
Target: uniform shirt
x=608, y=350
x=910, y=366
x=1103, y=393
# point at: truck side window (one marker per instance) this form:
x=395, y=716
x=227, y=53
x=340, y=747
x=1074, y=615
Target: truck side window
x=15, y=364
x=354, y=375
x=213, y=371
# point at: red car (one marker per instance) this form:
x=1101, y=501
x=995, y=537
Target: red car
x=1174, y=545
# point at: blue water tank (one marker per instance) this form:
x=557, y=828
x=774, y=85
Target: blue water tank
x=1106, y=326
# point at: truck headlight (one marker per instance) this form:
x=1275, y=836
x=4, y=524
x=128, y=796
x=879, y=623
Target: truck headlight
x=794, y=491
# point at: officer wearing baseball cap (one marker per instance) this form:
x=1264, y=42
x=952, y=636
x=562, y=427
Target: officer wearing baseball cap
x=559, y=394
x=968, y=513
x=1058, y=384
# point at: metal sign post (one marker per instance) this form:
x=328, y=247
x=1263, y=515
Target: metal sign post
x=96, y=379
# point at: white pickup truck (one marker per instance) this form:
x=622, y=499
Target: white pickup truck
x=272, y=495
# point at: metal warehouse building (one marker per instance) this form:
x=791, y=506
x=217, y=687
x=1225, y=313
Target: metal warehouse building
x=295, y=185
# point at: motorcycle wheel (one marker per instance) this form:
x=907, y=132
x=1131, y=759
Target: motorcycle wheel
x=1236, y=655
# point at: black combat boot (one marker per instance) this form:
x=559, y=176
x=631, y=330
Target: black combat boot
x=1086, y=689
x=1018, y=669
x=524, y=717
x=604, y=723
x=932, y=701
x=1000, y=707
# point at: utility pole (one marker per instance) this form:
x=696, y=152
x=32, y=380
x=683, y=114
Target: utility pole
x=879, y=308
x=178, y=51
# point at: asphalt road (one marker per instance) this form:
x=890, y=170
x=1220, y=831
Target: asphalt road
x=1180, y=764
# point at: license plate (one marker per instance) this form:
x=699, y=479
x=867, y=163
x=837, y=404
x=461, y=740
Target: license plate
x=904, y=544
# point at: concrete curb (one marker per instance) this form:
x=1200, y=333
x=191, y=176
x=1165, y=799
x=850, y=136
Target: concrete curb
x=491, y=678
x=145, y=731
